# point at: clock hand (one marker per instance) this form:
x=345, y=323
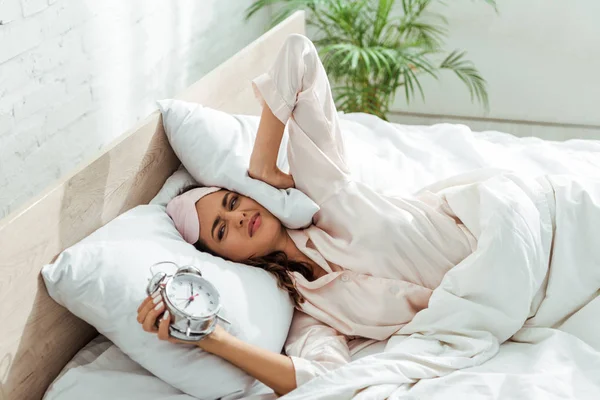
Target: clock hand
x=179, y=303
x=178, y=299
x=191, y=289
x=185, y=299
x=191, y=299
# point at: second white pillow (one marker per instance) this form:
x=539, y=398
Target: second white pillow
x=215, y=148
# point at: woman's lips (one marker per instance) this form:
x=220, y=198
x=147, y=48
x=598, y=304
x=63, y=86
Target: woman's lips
x=254, y=224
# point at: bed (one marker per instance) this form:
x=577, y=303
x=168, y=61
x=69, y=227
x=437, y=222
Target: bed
x=41, y=336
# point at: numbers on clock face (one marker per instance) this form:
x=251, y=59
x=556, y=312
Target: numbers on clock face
x=189, y=295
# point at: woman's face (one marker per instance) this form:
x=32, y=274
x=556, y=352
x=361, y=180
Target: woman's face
x=236, y=227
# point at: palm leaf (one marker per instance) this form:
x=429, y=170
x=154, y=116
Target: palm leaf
x=466, y=72
x=290, y=7
x=428, y=35
x=415, y=8
x=373, y=57
x=384, y=7
x=418, y=58
x=257, y=6
x=360, y=99
x=383, y=57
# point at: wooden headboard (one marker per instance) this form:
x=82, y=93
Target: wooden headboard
x=37, y=336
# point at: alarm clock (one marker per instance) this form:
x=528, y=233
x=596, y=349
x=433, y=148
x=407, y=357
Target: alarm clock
x=193, y=302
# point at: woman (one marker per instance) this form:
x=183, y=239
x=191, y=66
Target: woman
x=365, y=267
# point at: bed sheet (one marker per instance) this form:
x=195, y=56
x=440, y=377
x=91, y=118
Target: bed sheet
x=400, y=159
x=101, y=371
x=396, y=160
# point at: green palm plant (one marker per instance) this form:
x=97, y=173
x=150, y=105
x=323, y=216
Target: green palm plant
x=373, y=48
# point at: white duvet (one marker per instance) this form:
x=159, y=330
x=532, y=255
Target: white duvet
x=526, y=279
x=461, y=339
x=529, y=281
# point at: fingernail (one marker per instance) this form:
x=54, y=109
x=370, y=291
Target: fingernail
x=156, y=294
x=158, y=306
x=166, y=316
x=157, y=300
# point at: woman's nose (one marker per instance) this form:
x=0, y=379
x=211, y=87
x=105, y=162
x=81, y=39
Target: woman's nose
x=240, y=217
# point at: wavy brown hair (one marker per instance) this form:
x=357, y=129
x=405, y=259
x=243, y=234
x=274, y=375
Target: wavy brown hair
x=277, y=263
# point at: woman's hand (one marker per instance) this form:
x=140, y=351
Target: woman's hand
x=271, y=175
x=273, y=369
x=151, y=310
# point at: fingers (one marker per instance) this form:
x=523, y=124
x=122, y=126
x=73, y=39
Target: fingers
x=147, y=305
x=149, y=311
x=146, y=300
x=284, y=181
x=149, y=323
x=163, y=326
x=274, y=177
x=291, y=182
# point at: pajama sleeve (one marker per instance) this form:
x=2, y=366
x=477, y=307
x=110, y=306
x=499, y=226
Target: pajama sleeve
x=315, y=348
x=297, y=91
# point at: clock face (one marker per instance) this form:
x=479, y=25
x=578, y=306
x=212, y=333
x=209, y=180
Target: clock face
x=192, y=295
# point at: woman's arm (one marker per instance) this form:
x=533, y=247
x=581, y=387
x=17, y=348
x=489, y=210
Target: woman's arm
x=273, y=369
x=263, y=162
x=296, y=92
x=314, y=348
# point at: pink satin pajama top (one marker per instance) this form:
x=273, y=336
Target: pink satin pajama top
x=383, y=255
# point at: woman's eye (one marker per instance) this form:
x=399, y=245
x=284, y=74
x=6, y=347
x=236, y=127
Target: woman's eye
x=233, y=203
x=221, y=232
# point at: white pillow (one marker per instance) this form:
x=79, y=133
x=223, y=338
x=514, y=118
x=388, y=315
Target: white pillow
x=173, y=186
x=103, y=279
x=215, y=149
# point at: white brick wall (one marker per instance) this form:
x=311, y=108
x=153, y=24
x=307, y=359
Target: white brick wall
x=75, y=74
